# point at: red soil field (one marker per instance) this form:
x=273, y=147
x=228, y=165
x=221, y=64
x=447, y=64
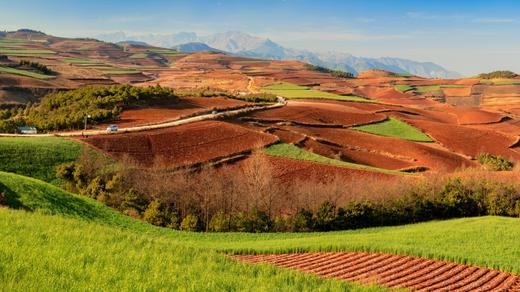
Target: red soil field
x=469, y=141
x=390, y=95
x=163, y=113
x=290, y=170
x=356, y=156
x=453, y=91
x=468, y=116
x=393, y=271
x=317, y=113
x=183, y=145
x=414, y=153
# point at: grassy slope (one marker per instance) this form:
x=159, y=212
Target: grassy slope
x=295, y=91
x=25, y=73
x=88, y=245
x=394, y=128
x=291, y=151
x=43, y=153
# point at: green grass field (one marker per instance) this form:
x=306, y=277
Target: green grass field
x=293, y=91
x=37, y=156
x=291, y=151
x=79, y=61
x=25, y=52
x=403, y=88
x=25, y=73
x=394, y=128
x=61, y=241
x=500, y=81
x=121, y=72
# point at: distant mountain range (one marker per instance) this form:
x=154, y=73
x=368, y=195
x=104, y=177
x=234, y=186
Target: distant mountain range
x=242, y=44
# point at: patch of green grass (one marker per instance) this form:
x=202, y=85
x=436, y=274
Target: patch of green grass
x=434, y=88
x=121, y=72
x=394, y=128
x=25, y=73
x=500, y=81
x=291, y=151
x=37, y=157
x=25, y=52
x=403, y=88
x=293, y=91
x=79, y=61
x=138, y=56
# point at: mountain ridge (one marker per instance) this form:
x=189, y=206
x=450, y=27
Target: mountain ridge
x=245, y=45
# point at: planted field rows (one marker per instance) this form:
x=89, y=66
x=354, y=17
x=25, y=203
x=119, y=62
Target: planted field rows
x=183, y=145
x=393, y=271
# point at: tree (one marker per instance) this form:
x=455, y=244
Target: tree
x=155, y=214
x=190, y=223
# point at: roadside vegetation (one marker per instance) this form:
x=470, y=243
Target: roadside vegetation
x=68, y=109
x=295, y=91
x=395, y=128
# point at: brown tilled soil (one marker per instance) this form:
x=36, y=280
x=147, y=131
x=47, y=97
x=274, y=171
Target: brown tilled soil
x=365, y=146
x=317, y=113
x=182, y=145
x=393, y=271
x=469, y=141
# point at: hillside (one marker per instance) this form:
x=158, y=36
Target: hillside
x=90, y=239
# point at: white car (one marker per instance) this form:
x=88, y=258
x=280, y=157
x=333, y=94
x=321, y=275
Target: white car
x=112, y=129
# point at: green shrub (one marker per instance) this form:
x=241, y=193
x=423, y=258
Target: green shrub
x=154, y=214
x=221, y=222
x=252, y=221
x=335, y=73
x=302, y=221
x=326, y=216
x=494, y=162
x=134, y=200
x=190, y=223
x=498, y=74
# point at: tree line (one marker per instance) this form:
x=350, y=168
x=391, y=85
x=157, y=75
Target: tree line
x=251, y=199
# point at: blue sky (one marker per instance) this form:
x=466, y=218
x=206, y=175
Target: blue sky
x=465, y=36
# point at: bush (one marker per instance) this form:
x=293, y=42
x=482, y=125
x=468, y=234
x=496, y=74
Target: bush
x=190, y=223
x=335, y=73
x=134, y=200
x=252, y=221
x=326, y=216
x=154, y=214
x=494, y=162
x=498, y=74
x=37, y=66
x=302, y=221
x=221, y=222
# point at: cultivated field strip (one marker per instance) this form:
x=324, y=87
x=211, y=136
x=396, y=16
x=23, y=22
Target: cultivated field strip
x=394, y=271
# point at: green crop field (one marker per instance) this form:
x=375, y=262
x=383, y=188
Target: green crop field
x=25, y=52
x=403, y=88
x=61, y=241
x=500, y=81
x=291, y=151
x=121, y=72
x=79, y=61
x=288, y=90
x=394, y=128
x=25, y=73
x=37, y=156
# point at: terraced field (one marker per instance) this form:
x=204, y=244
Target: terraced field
x=393, y=271
x=294, y=91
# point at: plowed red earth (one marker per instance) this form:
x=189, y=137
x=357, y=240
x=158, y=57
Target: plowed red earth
x=183, y=145
x=409, y=153
x=290, y=170
x=469, y=141
x=390, y=95
x=317, y=113
x=164, y=113
x=393, y=271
